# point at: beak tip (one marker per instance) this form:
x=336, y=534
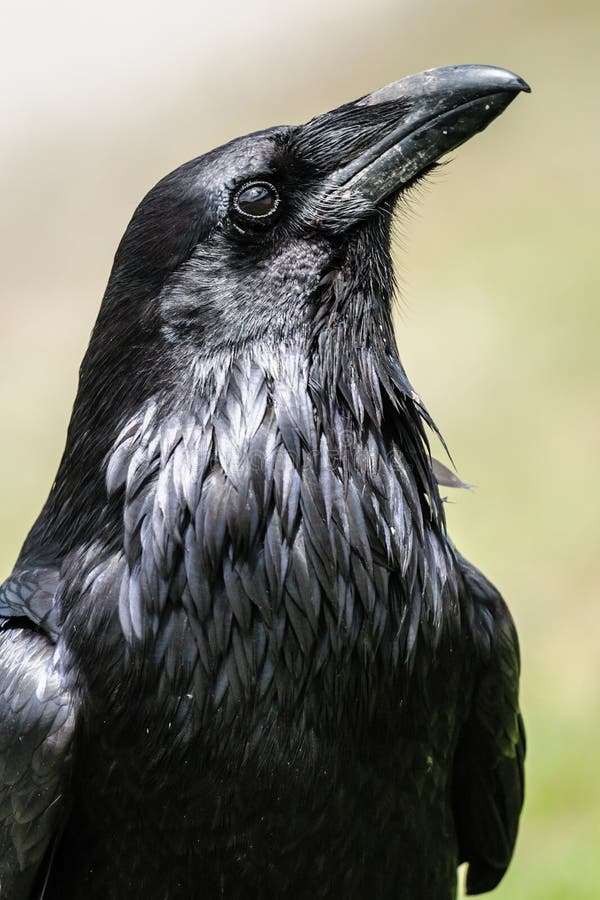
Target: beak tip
x=515, y=82
x=483, y=77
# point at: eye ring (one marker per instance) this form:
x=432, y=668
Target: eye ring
x=262, y=200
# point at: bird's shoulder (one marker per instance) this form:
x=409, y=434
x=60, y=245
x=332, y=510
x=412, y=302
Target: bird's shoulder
x=37, y=724
x=30, y=592
x=489, y=762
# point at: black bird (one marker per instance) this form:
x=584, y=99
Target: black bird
x=239, y=655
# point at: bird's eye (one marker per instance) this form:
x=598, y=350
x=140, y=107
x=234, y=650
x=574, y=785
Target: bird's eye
x=257, y=200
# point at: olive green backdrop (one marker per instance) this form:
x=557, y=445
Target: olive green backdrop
x=497, y=321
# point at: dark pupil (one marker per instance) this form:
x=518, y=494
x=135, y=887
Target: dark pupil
x=257, y=200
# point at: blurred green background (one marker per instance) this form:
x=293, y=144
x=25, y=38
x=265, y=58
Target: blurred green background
x=497, y=321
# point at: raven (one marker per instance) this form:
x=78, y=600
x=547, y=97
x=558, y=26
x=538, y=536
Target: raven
x=239, y=655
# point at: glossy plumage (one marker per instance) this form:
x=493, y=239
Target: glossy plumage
x=240, y=656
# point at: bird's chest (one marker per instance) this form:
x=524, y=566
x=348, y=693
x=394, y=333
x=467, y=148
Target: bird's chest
x=275, y=560
x=299, y=582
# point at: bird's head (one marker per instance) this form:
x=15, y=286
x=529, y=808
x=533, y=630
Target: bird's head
x=238, y=244
x=277, y=241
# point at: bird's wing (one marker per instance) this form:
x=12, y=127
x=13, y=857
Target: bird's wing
x=37, y=717
x=488, y=773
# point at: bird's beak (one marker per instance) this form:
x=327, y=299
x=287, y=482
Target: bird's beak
x=437, y=111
